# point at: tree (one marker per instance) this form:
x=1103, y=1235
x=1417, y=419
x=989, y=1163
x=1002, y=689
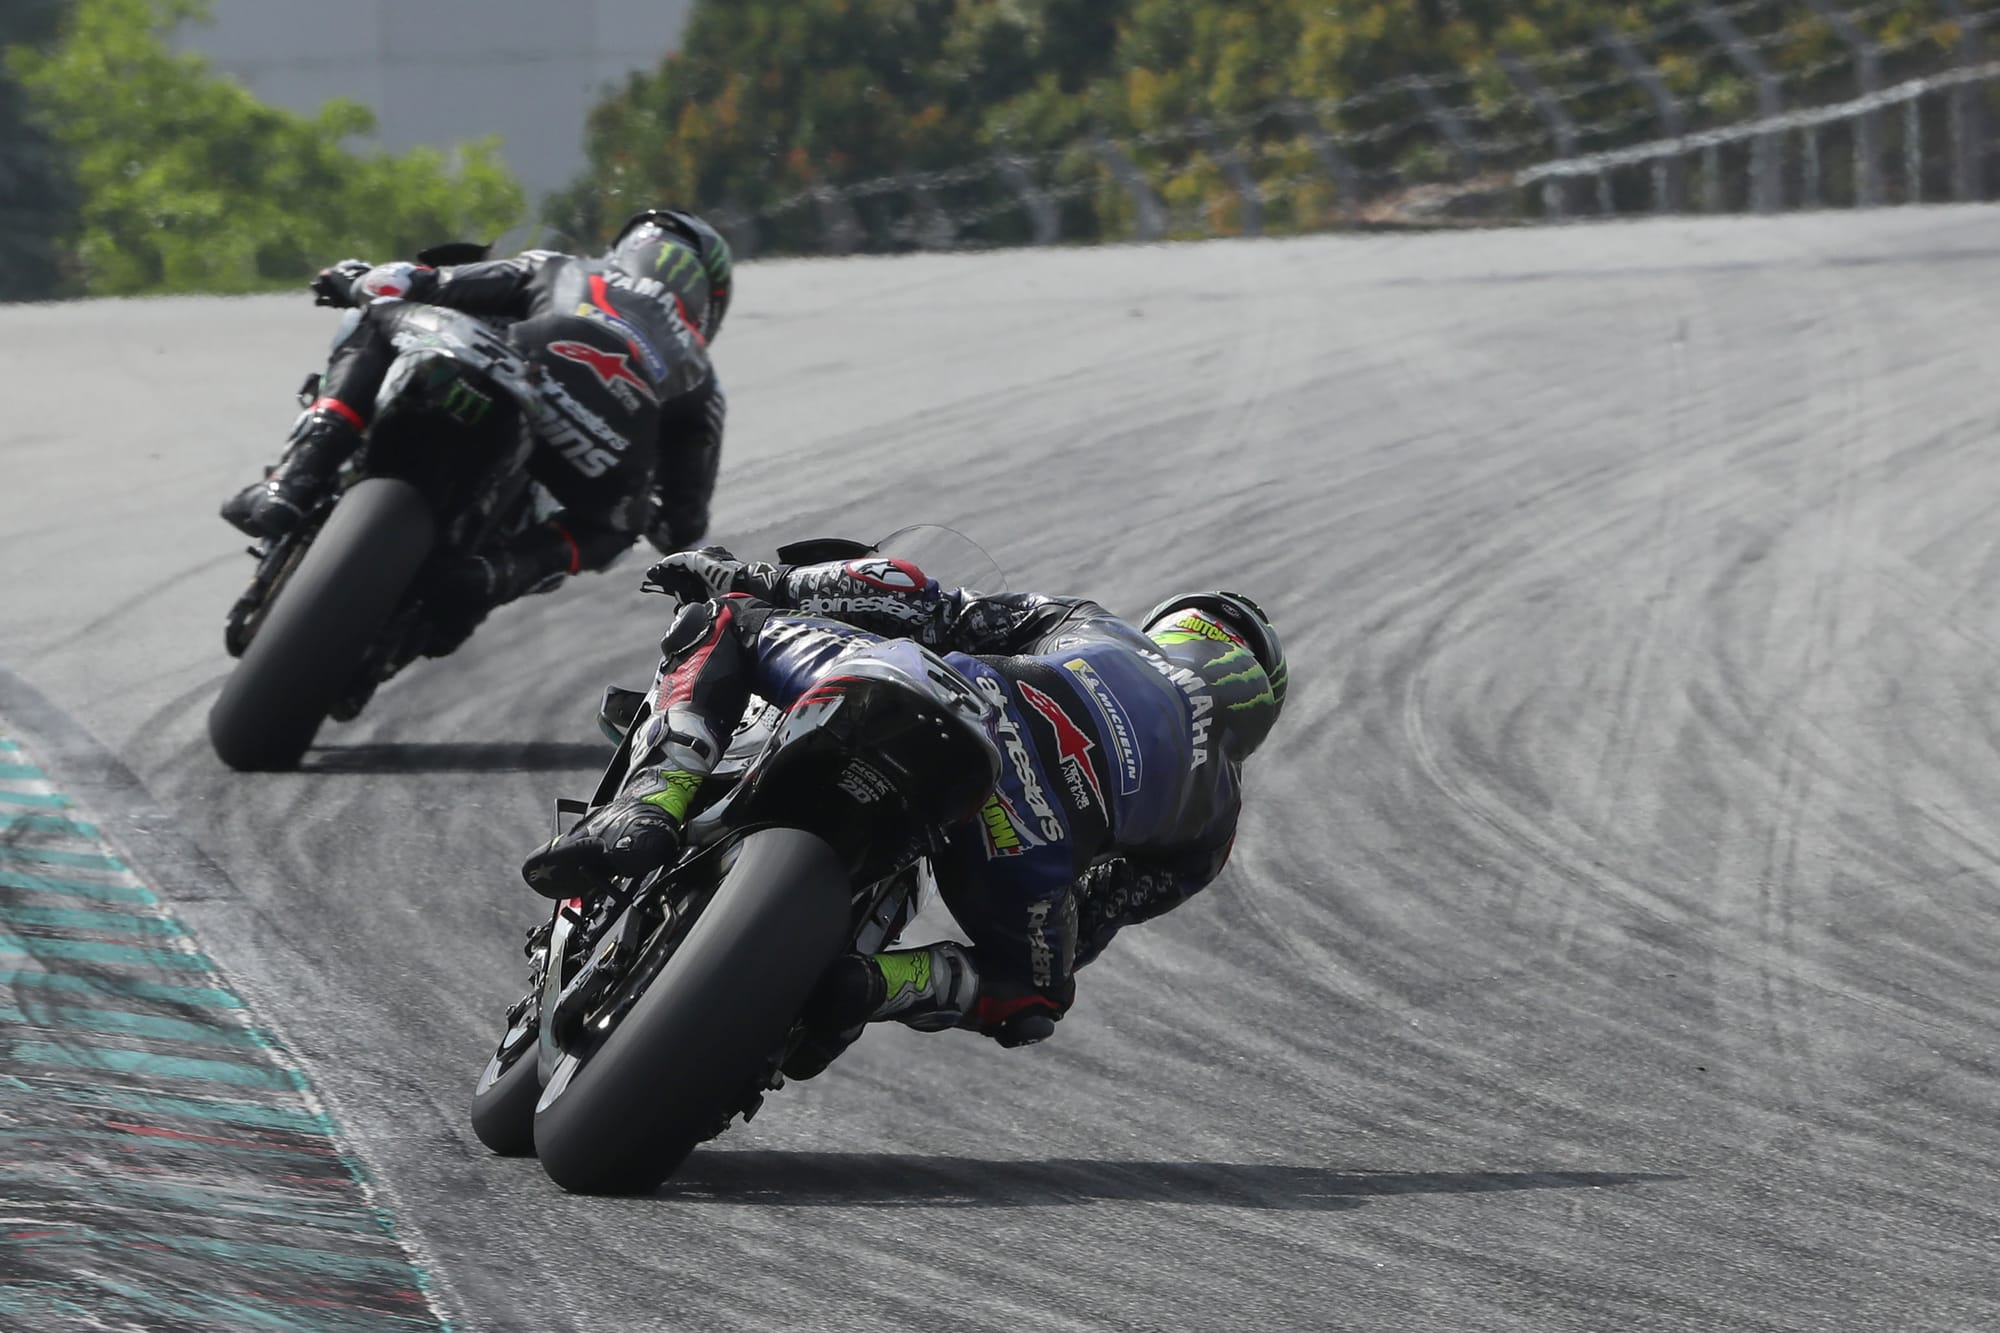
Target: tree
x=189, y=183
x=37, y=199
x=908, y=102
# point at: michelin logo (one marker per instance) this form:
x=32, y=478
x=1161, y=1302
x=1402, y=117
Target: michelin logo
x=1117, y=724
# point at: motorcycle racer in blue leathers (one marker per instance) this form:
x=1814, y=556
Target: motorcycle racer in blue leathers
x=1120, y=785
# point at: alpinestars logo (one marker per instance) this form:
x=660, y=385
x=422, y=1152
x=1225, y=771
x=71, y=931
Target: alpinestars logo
x=1022, y=762
x=895, y=575
x=838, y=608
x=611, y=368
x=1073, y=747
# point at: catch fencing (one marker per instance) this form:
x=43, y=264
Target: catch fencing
x=1759, y=105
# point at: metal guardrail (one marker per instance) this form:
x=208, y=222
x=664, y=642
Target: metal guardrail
x=1768, y=183
x=1512, y=137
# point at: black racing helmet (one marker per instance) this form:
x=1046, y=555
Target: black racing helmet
x=1227, y=640
x=648, y=246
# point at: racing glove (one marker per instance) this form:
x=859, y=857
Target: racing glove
x=334, y=285
x=711, y=572
x=1118, y=893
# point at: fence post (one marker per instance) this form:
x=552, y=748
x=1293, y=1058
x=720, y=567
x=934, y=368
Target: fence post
x=1669, y=173
x=737, y=227
x=1711, y=178
x=1238, y=173
x=1913, y=151
x=1044, y=222
x=1555, y=193
x=1149, y=218
x=1968, y=137
x=1767, y=185
x=1868, y=191
x=1449, y=125
x=934, y=229
x=1809, y=146
x=1345, y=178
x=837, y=220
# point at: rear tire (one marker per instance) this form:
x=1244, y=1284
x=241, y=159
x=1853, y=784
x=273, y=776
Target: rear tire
x=503, y=1105
x=323, y=623
x=690, y=1051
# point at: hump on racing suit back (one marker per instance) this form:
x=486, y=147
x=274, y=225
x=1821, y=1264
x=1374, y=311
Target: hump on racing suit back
x=653, y=317
x=1149, y=729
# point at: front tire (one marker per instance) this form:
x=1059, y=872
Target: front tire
x=691, y=1050
x=312, y=641
x=503, y=1104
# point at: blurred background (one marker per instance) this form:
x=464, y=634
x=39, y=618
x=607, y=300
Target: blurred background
x=232, y=145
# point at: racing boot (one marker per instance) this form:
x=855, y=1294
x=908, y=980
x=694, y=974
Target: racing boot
x=635, y=832
x=929, y=989
x=462, y=589
x=320, y=442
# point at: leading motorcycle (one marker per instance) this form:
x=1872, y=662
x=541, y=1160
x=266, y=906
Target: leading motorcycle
x=334, y=608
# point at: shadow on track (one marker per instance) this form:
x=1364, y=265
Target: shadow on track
x=901, y=1180
x=460, y=757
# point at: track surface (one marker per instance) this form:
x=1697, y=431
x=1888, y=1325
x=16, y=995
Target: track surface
x=1610, y=940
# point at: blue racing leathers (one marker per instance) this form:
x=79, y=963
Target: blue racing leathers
x=1111, y=806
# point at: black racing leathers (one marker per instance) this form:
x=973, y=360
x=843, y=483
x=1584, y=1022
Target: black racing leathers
x=1112, y=807
x=632, y=412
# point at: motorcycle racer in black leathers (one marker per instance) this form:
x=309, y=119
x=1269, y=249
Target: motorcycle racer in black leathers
x=626, y=407
x=1119, y=792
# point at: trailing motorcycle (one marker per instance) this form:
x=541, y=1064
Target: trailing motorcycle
x=333, y=609
x=664, y=1006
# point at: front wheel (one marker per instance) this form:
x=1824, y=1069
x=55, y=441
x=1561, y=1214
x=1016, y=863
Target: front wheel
x=313, y=639
x=690, y=1051
x=503, y=1103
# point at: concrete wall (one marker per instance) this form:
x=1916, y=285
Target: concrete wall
x=438, y=71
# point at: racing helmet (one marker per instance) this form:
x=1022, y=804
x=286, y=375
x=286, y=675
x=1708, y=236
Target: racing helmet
x=1228, y=641
x=647, y=246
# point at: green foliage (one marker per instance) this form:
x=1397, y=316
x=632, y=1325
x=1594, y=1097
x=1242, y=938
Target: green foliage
x=771, y=99
x=189, y=183
x=37, y=200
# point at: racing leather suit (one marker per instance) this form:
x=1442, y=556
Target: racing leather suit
x=624, y=361
x=1111, y=808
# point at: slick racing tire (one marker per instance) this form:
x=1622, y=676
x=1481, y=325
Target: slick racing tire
x=323, y=623
x=691, y=1050
x=503, y=1104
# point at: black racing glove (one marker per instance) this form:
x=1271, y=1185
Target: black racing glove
x=711, y=572
x=334, y=285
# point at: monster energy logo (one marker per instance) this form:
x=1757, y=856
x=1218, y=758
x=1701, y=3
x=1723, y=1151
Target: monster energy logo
x=673, y=259
x=465, y=404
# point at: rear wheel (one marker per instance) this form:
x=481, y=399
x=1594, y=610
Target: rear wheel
x=691, y=1050
x=326, y=617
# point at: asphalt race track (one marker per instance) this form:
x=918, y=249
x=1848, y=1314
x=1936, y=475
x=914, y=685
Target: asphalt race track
x=1610, y=939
